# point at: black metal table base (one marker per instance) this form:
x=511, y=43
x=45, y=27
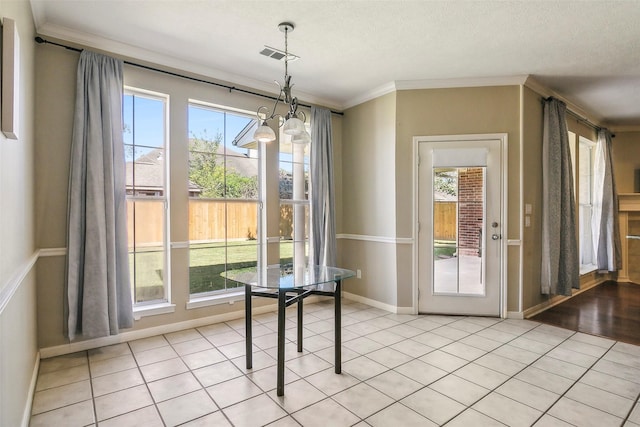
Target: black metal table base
x=287, y=297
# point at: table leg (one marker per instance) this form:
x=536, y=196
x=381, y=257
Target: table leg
x=282, y=302
x=300, y=305
x=338, y=326
x=247, y=320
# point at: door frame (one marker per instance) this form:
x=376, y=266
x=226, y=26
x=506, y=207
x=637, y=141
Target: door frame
x=503, y=138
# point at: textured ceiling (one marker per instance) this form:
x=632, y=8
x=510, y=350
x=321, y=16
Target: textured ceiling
x=586, y=51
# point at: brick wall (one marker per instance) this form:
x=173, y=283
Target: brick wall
x=471, y=207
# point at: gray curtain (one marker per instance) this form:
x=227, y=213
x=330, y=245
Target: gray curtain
x=98, y=288
x=606, y=231
x=560, y=265
x=323, y=227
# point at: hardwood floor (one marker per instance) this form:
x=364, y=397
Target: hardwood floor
x=609, y=310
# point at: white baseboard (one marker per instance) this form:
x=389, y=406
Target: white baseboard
x=26, y=415
x=156, y=330
x=377, y=304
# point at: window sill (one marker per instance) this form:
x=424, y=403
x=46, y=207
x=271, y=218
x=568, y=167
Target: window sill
x=227, y=298
x=587, y=268
x=153, y=310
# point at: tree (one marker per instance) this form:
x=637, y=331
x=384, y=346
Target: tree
x=445, y=182
x=208, y=173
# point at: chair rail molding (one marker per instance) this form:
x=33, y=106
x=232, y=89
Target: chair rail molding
x=46, y=252
x=9, y=288
x=377, y=239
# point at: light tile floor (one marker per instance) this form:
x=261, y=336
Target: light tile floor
x=398, y=370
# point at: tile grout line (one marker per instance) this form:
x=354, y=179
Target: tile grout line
x=387, y=368
x=93, y=398
x=146, y=384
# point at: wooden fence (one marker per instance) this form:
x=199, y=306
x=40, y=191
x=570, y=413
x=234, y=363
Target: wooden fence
x=207, y=221
x=445, y=221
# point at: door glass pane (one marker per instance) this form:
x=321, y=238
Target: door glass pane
x=458, y=224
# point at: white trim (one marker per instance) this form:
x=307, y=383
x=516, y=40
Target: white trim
x=520, y=205
x=377, y=304
x=461, y=82
x=53, y=252
x=141, y=311
x=397, y=85
x=231, y=299
x=226, y=298
x=10, y=287
x=377, y=239
x=415, y=227
x=540, y=89
x=26, y=415
x=157, y=330
x=514, y=242
x=179, y=245
x=371, y=94
x=147, y=332
x=504, y=181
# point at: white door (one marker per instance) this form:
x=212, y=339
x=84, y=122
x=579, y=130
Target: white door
x=460, y=232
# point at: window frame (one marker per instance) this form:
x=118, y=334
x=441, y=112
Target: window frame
x=300, y=242
x=582, y=143
x=164, y=305
x=196, y=300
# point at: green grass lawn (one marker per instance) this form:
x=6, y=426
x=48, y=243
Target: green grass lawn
x=207, y=264
x=444, y=249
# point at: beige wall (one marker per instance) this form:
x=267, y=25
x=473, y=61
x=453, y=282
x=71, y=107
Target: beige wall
x=368, y=191
x=626, y=160
x=532, y=195
x=18, y=349
x=378, y=179
x=55, y=101
x=454, y=112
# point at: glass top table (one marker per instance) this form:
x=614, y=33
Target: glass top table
x=291, y=284
x=289, y=276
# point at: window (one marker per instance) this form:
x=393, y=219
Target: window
x=586, y=154
x=146, y=157
x=224, y=201
x=294, y=201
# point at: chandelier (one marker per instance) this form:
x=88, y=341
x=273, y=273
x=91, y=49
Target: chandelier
x=292, y=125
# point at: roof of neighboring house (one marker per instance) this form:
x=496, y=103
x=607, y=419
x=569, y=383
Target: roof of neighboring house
x=148, y=172
x=149, y=169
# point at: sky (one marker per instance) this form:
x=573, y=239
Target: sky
x=203, y=121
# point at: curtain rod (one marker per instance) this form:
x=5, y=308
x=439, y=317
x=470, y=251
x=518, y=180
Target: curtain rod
x=40, y=40
x=580, y=118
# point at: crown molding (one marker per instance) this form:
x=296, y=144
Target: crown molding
x=461, y=82
x=544, y=91
x=397, y=85
x=144, y=55
x=371, y=94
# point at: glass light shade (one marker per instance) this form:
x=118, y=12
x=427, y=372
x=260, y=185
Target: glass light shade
x=293, y=126
x=264, y=133
x=303, y=138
